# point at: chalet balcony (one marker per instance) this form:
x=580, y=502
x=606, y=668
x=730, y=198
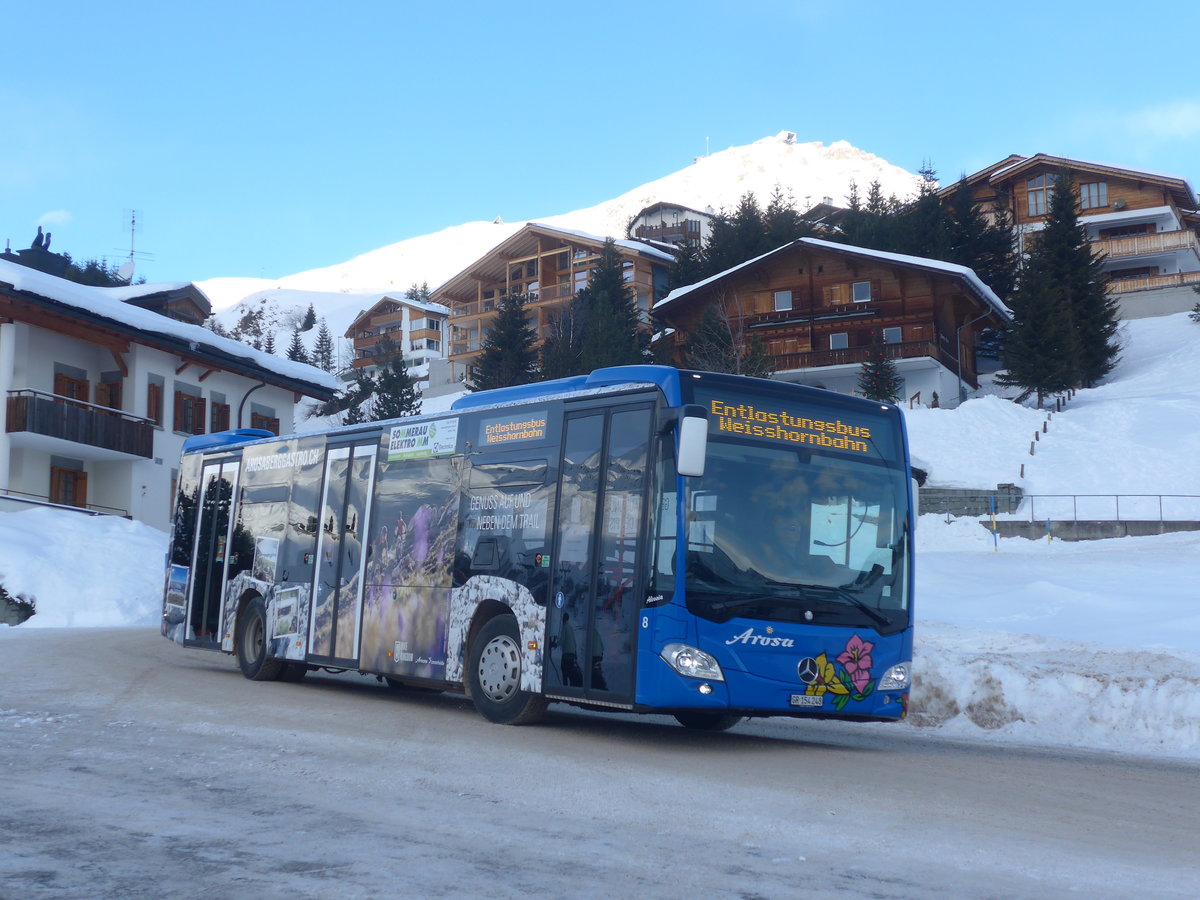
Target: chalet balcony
x=1149, y=244
x=1153, y=282
x=854, y=356
x=53, y=416
x=465, y=345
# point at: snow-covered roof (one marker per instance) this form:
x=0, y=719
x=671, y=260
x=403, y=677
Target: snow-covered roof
x=639, y=246
x=964, y=273
x=137, y=291
x=1066, y=162
x=109, y=305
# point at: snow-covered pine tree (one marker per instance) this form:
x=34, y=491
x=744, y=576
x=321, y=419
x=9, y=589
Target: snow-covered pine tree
x=322, y=355
x=297, y=352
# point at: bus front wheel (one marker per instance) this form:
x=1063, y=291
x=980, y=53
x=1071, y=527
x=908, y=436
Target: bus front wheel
x=706, y=721
x=494, y=674
x=251, y=643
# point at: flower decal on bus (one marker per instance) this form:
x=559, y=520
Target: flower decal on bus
x=848, y=676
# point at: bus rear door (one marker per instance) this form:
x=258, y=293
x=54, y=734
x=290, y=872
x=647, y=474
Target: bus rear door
x=337, y=595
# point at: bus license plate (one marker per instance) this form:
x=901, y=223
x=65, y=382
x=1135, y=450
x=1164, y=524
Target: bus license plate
x=807, y=700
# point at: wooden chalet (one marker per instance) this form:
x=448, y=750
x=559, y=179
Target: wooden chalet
x=549, y=265
x=817, y=305
x=1145, y=225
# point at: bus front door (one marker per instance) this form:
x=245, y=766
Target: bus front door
x=337, y=595
x=596, y=587
x=213, y=542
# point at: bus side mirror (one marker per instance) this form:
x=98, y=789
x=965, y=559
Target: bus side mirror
x=693, y=441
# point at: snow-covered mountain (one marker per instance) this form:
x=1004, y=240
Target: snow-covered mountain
x=807, y=173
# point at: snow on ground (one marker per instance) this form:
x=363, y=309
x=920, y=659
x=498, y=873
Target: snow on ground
x=1090, y=644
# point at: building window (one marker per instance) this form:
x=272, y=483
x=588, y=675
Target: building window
x=861, y=291
x=108, y=391
x=783, y=301
x=839, y=341
x=892, y=335
x=68, y=485
x=72, y=384
x=1094, y=195
x=220, y=416
x=264, y=418
x=154, y=401
x=1040, y=188
x=189, y=413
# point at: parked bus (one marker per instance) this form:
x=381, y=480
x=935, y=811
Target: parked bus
x=641, y=539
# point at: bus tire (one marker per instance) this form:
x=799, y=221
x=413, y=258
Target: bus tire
x=706, y=721
x=494, y=676
x=251, y=643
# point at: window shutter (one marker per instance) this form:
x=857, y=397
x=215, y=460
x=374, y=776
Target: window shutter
x=198, y=415
x=177, y=422
x=154, y=403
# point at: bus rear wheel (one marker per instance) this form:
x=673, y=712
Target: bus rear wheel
x=494, y=676
x=251, y=644
x=706, y=721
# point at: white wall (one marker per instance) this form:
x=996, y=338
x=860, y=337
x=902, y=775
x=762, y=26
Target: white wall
x=140, y=486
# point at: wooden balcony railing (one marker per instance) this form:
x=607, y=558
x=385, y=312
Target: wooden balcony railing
x=80, y=422
x=1143, y=244
x=1151, y=282
x=817, y=359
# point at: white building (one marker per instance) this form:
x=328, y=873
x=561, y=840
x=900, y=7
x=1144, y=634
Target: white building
x=101, y=387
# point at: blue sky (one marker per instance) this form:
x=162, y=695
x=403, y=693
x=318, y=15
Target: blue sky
x=260, y=138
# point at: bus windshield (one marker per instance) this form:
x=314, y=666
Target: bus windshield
x=793, y=534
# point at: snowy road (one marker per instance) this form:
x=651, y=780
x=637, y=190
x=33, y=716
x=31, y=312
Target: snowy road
x=132, y=768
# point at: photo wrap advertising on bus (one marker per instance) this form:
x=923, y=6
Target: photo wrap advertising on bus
x=542, y=546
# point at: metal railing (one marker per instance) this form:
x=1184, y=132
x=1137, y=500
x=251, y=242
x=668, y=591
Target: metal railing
x=1110, y=507
x=91, y=509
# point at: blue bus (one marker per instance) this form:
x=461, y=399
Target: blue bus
x=641, y=539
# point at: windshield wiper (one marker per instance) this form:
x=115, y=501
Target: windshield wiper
x=806, y=592
x=844, y=592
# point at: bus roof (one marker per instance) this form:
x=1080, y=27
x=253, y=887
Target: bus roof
x=665, y=378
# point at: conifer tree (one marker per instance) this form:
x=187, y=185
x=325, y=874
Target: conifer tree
x=310, y=319
x=878, y=379
x=687, y=267
x=986, y=247
x=508, y=356
x=1064, y=331
x=782, y=224
x=418, y=293
x=612, y=334
x=322, y=355
x=395, y=394
x=1064, y=249
x=297, y=352
x=922, y=227
x=269, y=343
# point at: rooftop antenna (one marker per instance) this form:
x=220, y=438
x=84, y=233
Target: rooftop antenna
x=126, y=269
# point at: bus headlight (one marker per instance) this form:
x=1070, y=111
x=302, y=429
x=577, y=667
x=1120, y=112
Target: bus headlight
x=692, y=663
x=897, y=678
